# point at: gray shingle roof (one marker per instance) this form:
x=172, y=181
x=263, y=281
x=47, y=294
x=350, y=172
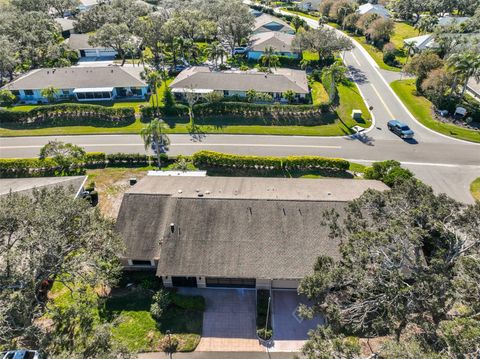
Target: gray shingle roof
x=79, y=42
x=281, y=80
x=281, y=42
x=266, y=19
x=65, y=24
x=240, y=227
x=78, y=77
x=26, y=185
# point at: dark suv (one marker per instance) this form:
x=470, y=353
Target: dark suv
x=400, y=129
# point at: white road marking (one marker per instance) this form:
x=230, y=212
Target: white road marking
x=383, y=102
x=189, y=144
x=355, y=58
x=432, y=164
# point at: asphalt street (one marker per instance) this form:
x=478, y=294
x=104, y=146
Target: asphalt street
x=447, y=164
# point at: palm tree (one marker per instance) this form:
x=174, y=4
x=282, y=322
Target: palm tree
x=154, y=134
x=50, y=93
x=269, y=59
x=154, y=80
x=409, y=47
x=336, y=71
x=212, y=52
x=221, y=52
x=426, y=24
x=297, y=23
x=464, y=66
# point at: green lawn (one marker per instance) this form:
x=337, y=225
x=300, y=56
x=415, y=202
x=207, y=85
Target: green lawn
x=421, y=108
x=475, y=189
x=402, y=31
x=319, y=94
x=136, y=328
x=300, y=14
x=350, y=99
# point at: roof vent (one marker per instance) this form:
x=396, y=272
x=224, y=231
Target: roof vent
x=200, y=194
x=329, y=193
x=207, y=192
x=172, y=227
x=180, y=191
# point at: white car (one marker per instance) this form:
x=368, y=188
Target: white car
x=21, y=354
x=240, y=50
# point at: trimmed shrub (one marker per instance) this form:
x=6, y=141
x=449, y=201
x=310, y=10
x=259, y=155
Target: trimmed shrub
x=161, y=300
x=128, y=159
x=34, y=167
x=389, y=172
x=217, y=159
x=60, y=114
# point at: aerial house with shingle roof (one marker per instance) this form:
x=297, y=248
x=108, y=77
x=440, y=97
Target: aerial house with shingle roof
x=81, y=84
x=202, y=80
x=232, y=231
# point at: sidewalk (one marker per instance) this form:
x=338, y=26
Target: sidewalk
x=219, y=355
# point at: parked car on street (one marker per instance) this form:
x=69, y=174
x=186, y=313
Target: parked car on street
x=21, y=354
x=400, y=129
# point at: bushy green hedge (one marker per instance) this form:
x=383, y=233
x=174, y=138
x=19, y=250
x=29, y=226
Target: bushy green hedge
x=217, y=159
x=34, y=167
x=280, y=115
x=61, y=113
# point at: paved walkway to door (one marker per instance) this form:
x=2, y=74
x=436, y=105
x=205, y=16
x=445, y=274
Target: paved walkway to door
x=228, y=320
x=289, y=330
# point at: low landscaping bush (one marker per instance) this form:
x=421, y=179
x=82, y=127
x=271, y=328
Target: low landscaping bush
x=35, y=167
x=161, y=300
x=61, y=114
x=389, y=172
x=264, y=312
x=217, y=159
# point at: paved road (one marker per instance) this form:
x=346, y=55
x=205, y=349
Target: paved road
x=447, y=164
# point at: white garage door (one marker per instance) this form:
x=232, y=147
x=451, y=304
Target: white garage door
x=90, y=53
x=285, y=284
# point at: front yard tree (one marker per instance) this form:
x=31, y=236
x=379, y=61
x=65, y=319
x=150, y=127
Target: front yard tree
x=400, y=250
x=465, y=65
x=117, y=37
x=8, y=58
x=269, y=59
x=7, y=98
x=154, y=80
x=336, y=72
x=380, y=31
x=325, y=42
x=154, y=134
x=62, y=6
x=297, y=22
x=50, y=93
x=58, y=238
x=235, y=24
x=421, y=64
x=63, y=153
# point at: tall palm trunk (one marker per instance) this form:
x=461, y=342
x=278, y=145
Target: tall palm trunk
x=157, y=151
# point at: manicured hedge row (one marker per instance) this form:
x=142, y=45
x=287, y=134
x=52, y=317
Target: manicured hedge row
x=280, y=115
x=68, y=112
x=34, y=167
x=217, y=159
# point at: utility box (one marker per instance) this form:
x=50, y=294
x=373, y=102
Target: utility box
x=356, y=114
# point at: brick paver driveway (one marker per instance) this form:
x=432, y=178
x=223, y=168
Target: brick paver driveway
x=228, y=321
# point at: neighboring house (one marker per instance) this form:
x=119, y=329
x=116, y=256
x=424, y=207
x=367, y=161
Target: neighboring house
x=422, y=42
x=79, y=43
x=265, y=22
x=451, y=20
x=255, y=13
x=25, y=186
x=279, y=41
x=231, y=231
x=86, y=5
x=310, y=5
x=368, y=8
x=66, y=25
x=202, y=80
x=81, y=84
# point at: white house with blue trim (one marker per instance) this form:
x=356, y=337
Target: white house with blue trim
x=81, y=84
x=280, y=42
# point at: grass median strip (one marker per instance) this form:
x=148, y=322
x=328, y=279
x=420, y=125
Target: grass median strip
x=475, y=189
x=421, y=108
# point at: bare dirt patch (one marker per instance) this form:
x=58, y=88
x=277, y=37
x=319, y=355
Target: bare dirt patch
x=111, y=184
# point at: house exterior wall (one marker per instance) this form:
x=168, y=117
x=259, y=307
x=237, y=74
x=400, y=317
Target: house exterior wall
x=256, y=55
x=285, y=283
x=271, y=27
